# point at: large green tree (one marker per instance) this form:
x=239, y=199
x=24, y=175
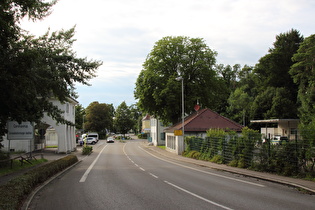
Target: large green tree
x=239, y=105
x=303, y=73
x=99, y=117
x=273, y=79
x=228, y=75
x=137, y=118
x=240, y=99
x=157, y=88
x=124, y=120
x=33, y=70
x=79, y=115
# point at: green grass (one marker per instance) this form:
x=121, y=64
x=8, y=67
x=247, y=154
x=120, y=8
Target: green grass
x=17, y=166
x=162, y=147
x=55, y=146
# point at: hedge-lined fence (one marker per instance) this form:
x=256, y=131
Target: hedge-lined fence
x=16, y=190
x=247, y=150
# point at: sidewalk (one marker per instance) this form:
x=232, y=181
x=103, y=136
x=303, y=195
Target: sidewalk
x=298, y=183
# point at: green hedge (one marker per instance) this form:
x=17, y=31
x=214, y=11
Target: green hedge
x=15, y=191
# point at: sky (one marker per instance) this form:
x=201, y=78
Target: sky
x=121, y=33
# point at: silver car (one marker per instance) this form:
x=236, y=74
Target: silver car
x=110, y=139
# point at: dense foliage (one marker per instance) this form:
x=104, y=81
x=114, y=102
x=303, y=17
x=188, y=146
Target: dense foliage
x=79, y=115
x=34, y=70
x=158, y=88
x=124, y=120
x=294, y=158
x=99, y=117
x=15, y=191
x=303, y=73
x=273, y=88
x=279, y=86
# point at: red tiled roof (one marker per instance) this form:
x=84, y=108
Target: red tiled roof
x=203, y=120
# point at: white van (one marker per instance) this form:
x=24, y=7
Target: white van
x=95, y=135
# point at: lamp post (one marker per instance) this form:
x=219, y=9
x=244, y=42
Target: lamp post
x=183, y=107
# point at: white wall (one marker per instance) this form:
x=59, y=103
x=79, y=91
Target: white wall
x=174, y=144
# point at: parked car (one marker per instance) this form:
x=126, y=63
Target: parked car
x=110, y=139
x=95, y=135
x=90, y=140
x=279, y=140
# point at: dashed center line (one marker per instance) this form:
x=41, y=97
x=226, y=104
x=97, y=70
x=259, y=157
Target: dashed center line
x=197, y=196
x=177, y=187
x=154, y=175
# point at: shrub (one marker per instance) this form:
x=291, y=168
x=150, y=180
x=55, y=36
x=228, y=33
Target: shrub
x=195, y=154
x=192, y=154
x=87, y=150
x=4, y=159
x=217, y=159
x=233, y=163
x=14, y=192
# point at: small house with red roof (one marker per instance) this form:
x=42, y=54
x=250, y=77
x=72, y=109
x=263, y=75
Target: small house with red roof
x=197, y=124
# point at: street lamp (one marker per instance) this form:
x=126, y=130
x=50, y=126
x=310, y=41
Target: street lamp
x=183, y=107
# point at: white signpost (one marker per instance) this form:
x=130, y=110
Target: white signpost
x=20, y=131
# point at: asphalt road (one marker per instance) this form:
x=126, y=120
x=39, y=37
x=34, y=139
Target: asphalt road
x=130, y=176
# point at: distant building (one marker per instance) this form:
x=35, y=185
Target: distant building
x=157, y=132
x=146, y=126
x=197, y=124
x=279, y=127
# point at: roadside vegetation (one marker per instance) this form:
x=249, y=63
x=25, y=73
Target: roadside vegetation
x=17, y=189
x=293, y=158
x=17, y=166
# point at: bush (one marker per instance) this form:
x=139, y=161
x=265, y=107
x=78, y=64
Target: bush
x=14, y=192
x=87, y=150
x=217, y=159
x=192, y=154
x=4, y=159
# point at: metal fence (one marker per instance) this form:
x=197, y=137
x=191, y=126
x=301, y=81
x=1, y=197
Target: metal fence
x=290, y=158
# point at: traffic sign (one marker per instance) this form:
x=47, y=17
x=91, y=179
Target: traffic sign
x=20, y=131
x=178, y=132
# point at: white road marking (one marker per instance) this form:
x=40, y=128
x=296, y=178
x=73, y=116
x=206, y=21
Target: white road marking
x=206, y=172
x=197, y=196
x=154, y=175
x=85, y=175
x=173, y=185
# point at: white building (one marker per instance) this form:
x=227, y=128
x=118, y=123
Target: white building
x=60, y=135
x=279, y=127
x=157, y=132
